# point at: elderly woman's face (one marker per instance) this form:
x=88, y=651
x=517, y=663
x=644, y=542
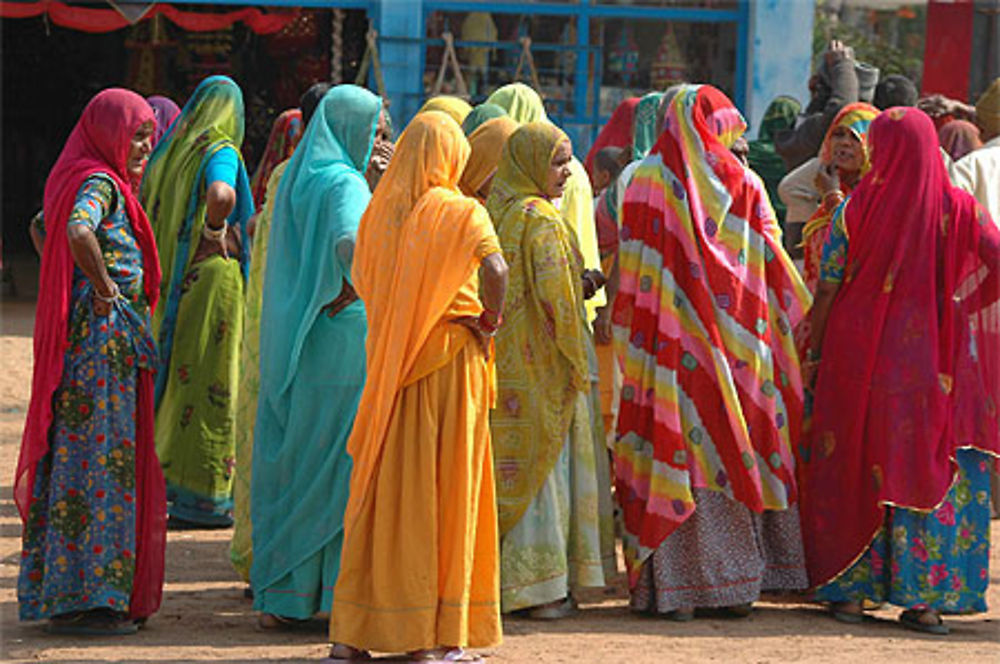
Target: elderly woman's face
x=559, y=170
x=139, y=148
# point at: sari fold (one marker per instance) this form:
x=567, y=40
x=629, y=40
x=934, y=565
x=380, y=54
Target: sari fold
x=910, y=371
x=312, y=363
x=711, y=397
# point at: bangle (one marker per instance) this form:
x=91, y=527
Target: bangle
x=487, y=327
x=216, y=234
x=115, y=294
x=837, y=195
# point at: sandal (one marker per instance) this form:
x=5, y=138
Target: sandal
x=96, y=622
x=341, y=652
x=841, y=613
x=442, y=656
x=911, y=619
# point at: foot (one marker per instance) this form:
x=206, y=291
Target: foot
x=272, y=621
x=96, y=622
x=683, y=614
x=562, y=608
x=926, y=621
x=341, y=652
x=847, y=612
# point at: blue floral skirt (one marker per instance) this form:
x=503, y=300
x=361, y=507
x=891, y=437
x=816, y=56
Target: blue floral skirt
x=938, y=560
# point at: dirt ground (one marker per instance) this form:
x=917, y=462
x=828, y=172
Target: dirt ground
x=205, y=617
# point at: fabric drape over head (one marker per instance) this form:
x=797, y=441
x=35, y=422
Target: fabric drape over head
x=405, y=295
x=486, y=144
x=165, y=111
x=764, y=160
x=712, y=396
x=456, y=107
x=856, y=118
x=644, y=125
x=99, y=143
x=285, y=134
x=480, y=115
x=959, y=138
x=616, y=133
x=543, y=339
x=521, y=102
x=910, y=370
x=524, y=105
x=321, y=198
x=211, y=120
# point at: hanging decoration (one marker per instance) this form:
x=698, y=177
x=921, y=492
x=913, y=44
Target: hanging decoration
x=94, y=19
x=668, y=67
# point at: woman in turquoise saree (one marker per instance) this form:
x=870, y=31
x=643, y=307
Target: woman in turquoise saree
x=312, y=349
x=197, y=193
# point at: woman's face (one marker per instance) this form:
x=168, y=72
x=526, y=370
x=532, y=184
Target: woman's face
x=382, y=151
x=847, y=153
x=559, y=171
x=139, y=148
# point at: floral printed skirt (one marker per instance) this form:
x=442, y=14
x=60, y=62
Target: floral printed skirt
x=937, y=561
x=80, y=537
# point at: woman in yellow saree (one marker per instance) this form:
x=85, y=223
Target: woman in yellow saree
x=553, y=493
x=419, y=569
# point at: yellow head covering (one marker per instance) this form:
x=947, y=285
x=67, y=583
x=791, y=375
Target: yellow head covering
x=988, y=110
x=521, y=102
x=487, y=143
x=416, y=248
x=543, y=363
x=457, y=108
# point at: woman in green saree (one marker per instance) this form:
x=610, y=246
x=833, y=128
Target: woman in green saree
x=197, y=193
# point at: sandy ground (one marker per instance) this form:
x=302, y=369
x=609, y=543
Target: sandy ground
x=205, y=617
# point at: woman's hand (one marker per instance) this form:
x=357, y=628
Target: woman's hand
x=602, y=326
x=347, y=296
x=229, y=247
x=472, y=324
x=593, y=280
x=827, y=180
x=102, y=298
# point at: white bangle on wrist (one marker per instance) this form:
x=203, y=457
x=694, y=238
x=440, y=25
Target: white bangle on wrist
x=115, y=294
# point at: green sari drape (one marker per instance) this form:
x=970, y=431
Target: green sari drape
x=200, y=320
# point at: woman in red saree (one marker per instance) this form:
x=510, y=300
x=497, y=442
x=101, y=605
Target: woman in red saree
x=895, y=496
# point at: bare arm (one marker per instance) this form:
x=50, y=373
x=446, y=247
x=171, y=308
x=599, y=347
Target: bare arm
x=493, y=277
x=37, y=239
x=220, y=199
x=87, y=256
